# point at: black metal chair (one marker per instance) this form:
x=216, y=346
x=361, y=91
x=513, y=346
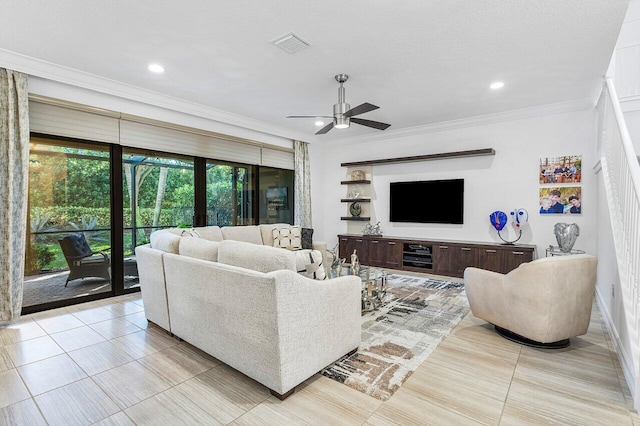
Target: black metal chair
x=84, y=262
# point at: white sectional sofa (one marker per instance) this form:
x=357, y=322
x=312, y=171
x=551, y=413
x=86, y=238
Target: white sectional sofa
x=230, y=293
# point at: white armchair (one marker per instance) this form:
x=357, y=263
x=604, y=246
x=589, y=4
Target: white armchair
x=541, y=303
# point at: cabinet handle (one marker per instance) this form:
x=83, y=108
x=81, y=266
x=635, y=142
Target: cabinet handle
x=359, y=241
x=444, y=247
x=343, y=239
x=517, y=252
x=465, y=249
x=490, y=251
x=375, y=242
x=391, y=243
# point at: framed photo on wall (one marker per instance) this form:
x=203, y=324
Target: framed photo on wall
x=562, y=169
x=561, y=200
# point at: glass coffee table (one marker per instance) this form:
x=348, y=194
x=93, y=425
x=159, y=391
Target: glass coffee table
x=374, y=284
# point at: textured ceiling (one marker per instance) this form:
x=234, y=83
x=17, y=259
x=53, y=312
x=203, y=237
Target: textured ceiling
x=421, y=61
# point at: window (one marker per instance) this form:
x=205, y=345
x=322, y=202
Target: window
x=276, y=195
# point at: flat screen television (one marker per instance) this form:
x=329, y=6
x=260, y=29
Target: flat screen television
x=430, y=201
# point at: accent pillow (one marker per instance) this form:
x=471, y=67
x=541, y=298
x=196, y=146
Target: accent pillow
x=288, y=238
x=309, y=264
x=307, y=238
x=190, y=233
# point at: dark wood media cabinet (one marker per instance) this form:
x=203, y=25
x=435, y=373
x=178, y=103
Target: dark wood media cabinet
x=439, y=257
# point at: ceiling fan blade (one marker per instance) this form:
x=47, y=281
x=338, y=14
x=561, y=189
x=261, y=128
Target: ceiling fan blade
x=370, y=123
x=325, y=129
x=309, y=116
x=360, y=109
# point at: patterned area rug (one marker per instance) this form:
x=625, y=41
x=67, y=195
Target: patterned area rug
x=416, y=315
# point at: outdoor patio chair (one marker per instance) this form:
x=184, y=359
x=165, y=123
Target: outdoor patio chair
x=84, y=262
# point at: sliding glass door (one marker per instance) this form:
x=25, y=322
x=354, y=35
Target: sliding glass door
x=229, y=194
x=158, y=192
x=69, y=233
x=276, y=195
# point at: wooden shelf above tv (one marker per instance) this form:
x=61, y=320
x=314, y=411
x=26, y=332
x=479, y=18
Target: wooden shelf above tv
x=351, y=182
x=356, y=200
x=357, y=218
x=427, y=157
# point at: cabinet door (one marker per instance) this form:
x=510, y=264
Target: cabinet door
x=392, y=254
x=461, y=258
x=513, y=259
x=442, y=259
x=343, y=246
x=491, y=259
x=349, y=244
x=383, y=253
x=376, y=252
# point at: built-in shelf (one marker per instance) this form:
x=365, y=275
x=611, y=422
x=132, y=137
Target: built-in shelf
x=427, y=157
x=351, y=182
x=356, y=200
x=356, y=218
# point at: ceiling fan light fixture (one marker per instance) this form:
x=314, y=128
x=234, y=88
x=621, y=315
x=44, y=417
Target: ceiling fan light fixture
x=341, y=122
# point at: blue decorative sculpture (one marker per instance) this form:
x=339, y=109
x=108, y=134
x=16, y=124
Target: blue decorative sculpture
x=499, y=220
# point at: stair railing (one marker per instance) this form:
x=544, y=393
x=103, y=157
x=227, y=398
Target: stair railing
x=621, y=174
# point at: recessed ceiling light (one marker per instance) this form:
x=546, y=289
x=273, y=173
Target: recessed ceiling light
x=319, y=123
x=497, y=85
x=156, y=68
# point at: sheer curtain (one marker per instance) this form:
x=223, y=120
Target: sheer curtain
x=302, y=207
x=14, y=173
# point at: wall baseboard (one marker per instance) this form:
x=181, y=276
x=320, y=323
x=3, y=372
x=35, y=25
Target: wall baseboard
x=625, y=360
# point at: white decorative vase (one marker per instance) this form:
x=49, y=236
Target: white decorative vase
x=566, y=235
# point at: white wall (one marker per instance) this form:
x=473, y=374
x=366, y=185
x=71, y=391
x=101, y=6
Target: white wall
x=505, y=181
x=624, y=70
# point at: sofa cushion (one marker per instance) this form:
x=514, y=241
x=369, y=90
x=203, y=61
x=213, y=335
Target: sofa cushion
x=247, y=234
x=199, y=248
x=255, y=257
x=288, y=238
x=266, y=230
x=307, y=238
x=309, y=263
x=211, y=233
x=165, y=240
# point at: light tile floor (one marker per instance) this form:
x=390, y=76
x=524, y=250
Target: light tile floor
x=102, y=363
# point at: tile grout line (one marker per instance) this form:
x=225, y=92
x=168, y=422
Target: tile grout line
x=506, y=397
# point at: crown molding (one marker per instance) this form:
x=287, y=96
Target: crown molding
x=558, y=108
x=73, y=77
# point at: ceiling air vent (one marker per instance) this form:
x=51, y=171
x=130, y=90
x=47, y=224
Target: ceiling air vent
x=290, y=43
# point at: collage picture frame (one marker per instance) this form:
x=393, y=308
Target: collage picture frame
x=560, y=191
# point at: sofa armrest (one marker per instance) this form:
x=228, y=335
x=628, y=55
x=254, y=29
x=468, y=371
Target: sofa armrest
x=153, y=285
x=318, y=322
x=485, y=291
x=322, y=247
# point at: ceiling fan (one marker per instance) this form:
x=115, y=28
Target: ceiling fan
x=342, y=115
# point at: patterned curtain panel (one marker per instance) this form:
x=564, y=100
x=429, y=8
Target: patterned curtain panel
x=14, y=172
x=302, y=185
